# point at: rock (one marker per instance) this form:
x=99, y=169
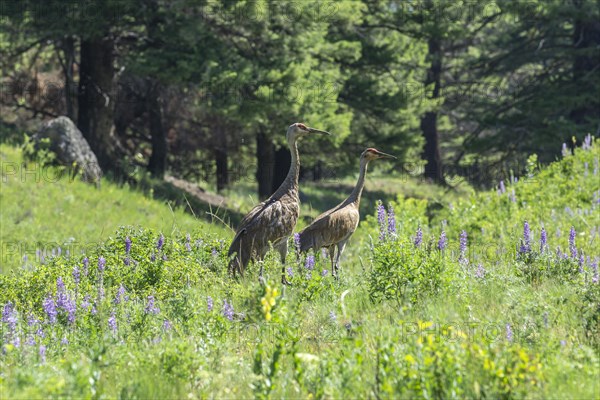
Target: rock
x=70, y=147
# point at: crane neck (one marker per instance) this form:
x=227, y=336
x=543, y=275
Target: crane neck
x=360, y=183
x=290, y=184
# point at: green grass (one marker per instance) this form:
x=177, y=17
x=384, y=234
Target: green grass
x=43, y=208
x=402, y=321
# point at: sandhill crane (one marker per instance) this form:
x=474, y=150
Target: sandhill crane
x=273, y=220
x=334, y=227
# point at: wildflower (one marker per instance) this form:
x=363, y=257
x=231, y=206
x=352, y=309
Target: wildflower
x=565, y=150
x=381, y=217
x=290, y=272
x=526, y=241
x=85, y=304
x=509, y=333
x=150, y=307
x=161, y=241
x=572, y=247
x=152, y=257
x=391, y=221
x=188, y=245
x=209, y=303
x=64, y=341
x=324, y=273
x=501, y=187
x=42, y=353
x=332, y=316
x=120, y=295
x=587, y=142
x=563, y=342
x=418, y=237
x=310, y=262
x=61, y=295
x=112, y=322
x=167, y=325
x=70, y=307
x=101, y=264
x=213, y=252
x=595, y=166
x=268, y=301
x=9, y=316
x=76, y=275
x=513, y=197
x=164, y=257
x=227, y=310
x=442, y=241
x=50, y=308
x=127, y=245
x=86, y=262
x=480, y=272
x=297, y=241
x=30, y=341
x=581, y=261
x=594, y=266
x=545, y=316
x=585, y=169
x=463, y=247
x=543, y=240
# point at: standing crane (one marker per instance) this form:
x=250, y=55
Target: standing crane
x=272, y=221
x=333, y=228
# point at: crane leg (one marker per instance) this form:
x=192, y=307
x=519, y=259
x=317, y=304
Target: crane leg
x=283, y=248
x=340, y=247
x=331, y=250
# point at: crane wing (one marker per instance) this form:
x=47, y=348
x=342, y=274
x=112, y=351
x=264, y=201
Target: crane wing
x=330, y=227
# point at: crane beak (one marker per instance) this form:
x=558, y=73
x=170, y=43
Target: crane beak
x=313, y=130
x=385, y=155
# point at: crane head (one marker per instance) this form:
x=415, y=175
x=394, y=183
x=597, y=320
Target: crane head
x=373, y=154
x=298, y=130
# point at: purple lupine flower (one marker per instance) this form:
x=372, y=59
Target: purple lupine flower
x=120, y=295
x=585, y=169
x=310, y=262
x=42, y=353
x=596, y=166
x=213, y=252
x=112, y=322
x=164, y=257
x=188, y=245
x=290, y=272
x=64, y=341
x=509, y=333
x=580, y=262
x=86, y=262
x=101, y=264
x=127, y=245
x=572, y=247
x=526, y=241
x=381, y=217
x=480, y=271
x=513, y=196
x=297, y=242
x=543, y=240
x=563, y=342
x=324, y=273
x=70, y=307
x=76, y=275
x=442, y=241
x=167, y=325
x=501, y=187
x=463, y=247
x=50, y=309
x=565, y=150
x=61, y=294
x=587, y=142
x=9, y=316
x=227, y=310
x=30, y=341
x=418, y=237
x=332, y=316
x=150, y=307
x=594, y=267
x=391, y=221
x=32, y=320
x=160, y=242
x=209, y=303
x=152, y=257
x=85, y=304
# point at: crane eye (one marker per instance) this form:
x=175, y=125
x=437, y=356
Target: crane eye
x=302, y=126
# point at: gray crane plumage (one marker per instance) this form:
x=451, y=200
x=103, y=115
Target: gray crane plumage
x=272, y=221
x=333, y=228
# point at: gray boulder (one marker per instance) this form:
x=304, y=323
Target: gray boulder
x=70, y=147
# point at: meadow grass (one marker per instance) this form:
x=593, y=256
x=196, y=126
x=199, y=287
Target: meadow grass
x=151, y=313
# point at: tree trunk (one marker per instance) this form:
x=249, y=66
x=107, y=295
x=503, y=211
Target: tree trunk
x=586, y=35
x=68, y=48
x=431, y=151
x=158, y=159
x=283, y=159
x=265, y=163
x=95, y=102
